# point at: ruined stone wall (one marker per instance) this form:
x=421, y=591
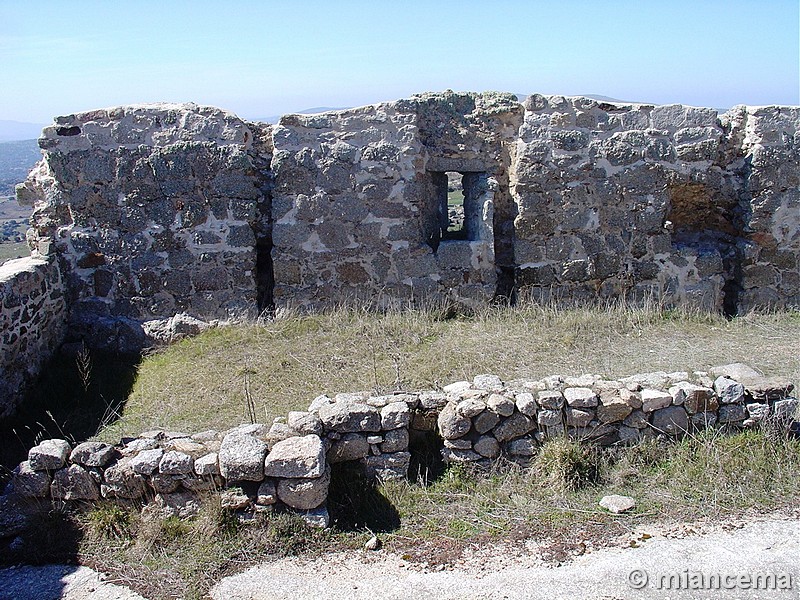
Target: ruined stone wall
x=355, y=200
x=629, y=201
x=32, y=324
x=152, y=210
x=162, y=209
x=289, y=464
x=770, y=159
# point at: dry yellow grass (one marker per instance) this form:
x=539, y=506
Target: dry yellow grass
x=203, y=382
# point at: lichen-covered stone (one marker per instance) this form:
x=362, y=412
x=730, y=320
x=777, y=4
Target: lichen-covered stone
x=395, y=415
x=671, y=420
x=347, y=418
x=351, y=446
x=304, y=493
x=304, y=423
x=49, y=455
x=550, y=399
x=175, y=463
x=298, y=457
x=451, y=424
x=653, y=400
x=241, y=458
x=73, y=483
x=580, y=397
x=207, y=465
x=29, y=483
x=92, y=454
x=513, y=427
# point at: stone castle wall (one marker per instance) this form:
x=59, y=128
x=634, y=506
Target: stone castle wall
x=154, y=210
x=32, y=323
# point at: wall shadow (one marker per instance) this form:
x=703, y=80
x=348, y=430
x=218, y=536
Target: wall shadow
x=76, y=395
x=354, y=502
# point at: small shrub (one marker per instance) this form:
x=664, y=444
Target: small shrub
x=568, y=464
x=110, y=521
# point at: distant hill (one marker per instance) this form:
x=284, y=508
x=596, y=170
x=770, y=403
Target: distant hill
x=16, y=160
x=15, y=130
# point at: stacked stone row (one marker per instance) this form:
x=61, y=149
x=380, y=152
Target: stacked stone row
x=172, y=468
x=486, y=418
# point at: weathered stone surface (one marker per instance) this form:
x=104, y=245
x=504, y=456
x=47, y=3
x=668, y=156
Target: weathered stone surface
x=653, y=400
x=316, y=517
x=234, y=499
x=147, y=461
x=514, y=426
x=351, y=446
x=728, y=391
x=471, y=407
x=298, y=457
x=785, y=410
x=304, y=493
x=121, y=481
x=765, y=389
x=549, y=418
x=671, y=420
x=576, y=417
x=580, y=397
x=630, y=397
x=458, y=444
x=736, y=371
x=691, y=395
x=702, y=420
x=522, y=447
x=451, y=424
x=164, y=484
x=500, y=404
x=175, y=463
x=487, y=447
x=395, y=440
x=49, y=455
x=617, y=504
x=454, y=455
x=732, y=413
x=92, y=454
x=183, y=505
x=241, y=458
x=487, y=382
x=485, y=421
x=395, y=415
x=304, y=423
x=757, y=412
x=637, y=420
x=73, y=483
x=526, y=403
x=550, y=399
x=387, y=467
x=347, y=418
x=613, y=409
x=267, y=494
x=30, y=483
x=207, y=465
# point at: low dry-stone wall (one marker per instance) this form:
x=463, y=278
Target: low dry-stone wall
x=288, y=464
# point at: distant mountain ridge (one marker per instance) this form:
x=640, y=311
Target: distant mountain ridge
x=11, y=131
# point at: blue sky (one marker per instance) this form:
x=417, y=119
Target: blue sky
x=264, y=58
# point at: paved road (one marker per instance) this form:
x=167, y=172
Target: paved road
x=649, y=571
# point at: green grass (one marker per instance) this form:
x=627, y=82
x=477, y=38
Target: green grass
x=12, y=250
x=200, y=383
x=203, y=382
